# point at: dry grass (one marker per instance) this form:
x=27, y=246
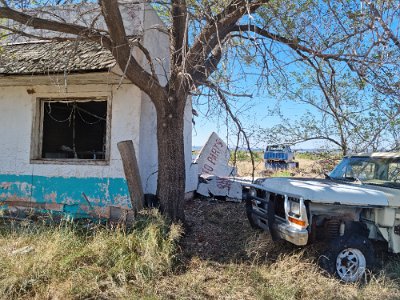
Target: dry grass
x=67, y=261
x=218, y=257
x=252, y=266
x=292, y=275
x=307, y=168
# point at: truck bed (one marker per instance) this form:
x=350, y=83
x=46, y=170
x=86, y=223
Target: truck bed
x=276, y=156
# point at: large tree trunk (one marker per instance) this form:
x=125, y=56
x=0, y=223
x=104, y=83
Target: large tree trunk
x=171, y=159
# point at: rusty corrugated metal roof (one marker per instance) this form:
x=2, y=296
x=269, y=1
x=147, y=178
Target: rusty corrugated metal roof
x=54, y=57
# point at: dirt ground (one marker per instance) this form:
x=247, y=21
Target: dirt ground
x=219, y=231
x=222, y=257
x=216, y=230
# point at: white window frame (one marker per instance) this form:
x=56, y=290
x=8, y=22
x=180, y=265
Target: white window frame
x=37, y=128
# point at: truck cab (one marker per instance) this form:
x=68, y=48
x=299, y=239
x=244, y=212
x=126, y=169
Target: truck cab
x=279, y=157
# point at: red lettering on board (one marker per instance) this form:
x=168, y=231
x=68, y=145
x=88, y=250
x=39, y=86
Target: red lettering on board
x=207, y=168
x=223, y=183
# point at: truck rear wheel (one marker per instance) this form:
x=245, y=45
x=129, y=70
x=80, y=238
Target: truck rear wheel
x=349, y=258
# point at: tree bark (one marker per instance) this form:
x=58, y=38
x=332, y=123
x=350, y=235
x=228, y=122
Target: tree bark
x=171, y=158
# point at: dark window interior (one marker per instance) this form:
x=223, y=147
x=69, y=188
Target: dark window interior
x=74, y=130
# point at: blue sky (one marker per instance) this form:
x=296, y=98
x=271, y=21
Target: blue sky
x=255, y=111
x=258, y=116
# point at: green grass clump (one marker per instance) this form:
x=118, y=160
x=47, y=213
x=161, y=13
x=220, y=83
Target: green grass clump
x=282, y=173
x=244, y=155
x=69, y=261
x=318, y=155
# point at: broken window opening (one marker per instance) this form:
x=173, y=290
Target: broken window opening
x=74, y=129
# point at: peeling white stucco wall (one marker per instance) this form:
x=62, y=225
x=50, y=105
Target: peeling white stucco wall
x=132, y=117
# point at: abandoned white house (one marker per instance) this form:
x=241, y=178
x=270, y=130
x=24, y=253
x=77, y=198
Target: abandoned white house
x=64, y=106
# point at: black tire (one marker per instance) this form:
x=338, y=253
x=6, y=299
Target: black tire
x=271, y=220
x=349, y=258
x=250, y=215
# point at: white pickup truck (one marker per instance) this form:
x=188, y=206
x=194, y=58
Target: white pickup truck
x=357, y=202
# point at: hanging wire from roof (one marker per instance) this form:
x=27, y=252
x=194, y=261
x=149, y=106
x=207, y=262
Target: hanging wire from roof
x=49, y=110
x=75, y=108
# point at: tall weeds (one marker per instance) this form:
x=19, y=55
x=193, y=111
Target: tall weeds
x=71, y=261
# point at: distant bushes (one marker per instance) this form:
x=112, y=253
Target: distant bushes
x=244, y=155
x=318, y=155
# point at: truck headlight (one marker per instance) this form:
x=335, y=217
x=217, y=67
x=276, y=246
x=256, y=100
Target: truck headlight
x=294, y=207
x=296, y=212
x=249, y=193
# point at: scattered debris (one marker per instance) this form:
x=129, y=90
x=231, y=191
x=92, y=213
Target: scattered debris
x=211, y=186
x=214, y=157
x=23, y=250
x=215, y=172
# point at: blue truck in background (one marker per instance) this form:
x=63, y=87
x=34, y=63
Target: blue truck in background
x=279, y=157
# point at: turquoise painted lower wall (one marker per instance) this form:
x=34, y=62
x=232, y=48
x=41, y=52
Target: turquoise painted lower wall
x=75, y=194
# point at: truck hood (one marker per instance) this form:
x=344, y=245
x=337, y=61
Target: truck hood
x=392, y=194
x=326, y=191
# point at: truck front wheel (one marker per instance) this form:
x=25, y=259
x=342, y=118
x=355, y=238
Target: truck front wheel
x=250, y=215
x=349, y=258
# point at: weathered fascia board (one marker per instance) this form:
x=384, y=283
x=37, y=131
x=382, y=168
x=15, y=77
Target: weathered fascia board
x=62, y=81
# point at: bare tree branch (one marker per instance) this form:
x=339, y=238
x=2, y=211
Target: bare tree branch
x=148, y=58
x=39, y=23
x=385, y=27
x=118, y=44
x=179, y=28
x=294, y=44
x=216, y=30
x=234, y=118
x=122, y=53
x=13, y=31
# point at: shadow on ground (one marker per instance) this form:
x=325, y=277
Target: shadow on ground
x=219, y=231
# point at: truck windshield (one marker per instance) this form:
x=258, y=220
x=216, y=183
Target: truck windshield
x=369, y=170
x=278, y=148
